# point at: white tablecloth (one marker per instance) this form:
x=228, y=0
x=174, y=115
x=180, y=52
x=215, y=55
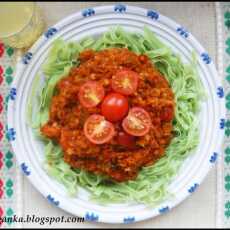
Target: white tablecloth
x=199, y=209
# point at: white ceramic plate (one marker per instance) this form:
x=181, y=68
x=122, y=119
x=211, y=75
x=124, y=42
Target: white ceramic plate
x=95, y=21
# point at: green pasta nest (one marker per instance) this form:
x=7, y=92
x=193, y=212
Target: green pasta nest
x=151, y=185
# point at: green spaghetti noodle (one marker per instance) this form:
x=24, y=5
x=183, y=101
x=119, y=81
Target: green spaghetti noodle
x=151, y=185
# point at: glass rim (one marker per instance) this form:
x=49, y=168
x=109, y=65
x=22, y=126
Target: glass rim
x=24, y=27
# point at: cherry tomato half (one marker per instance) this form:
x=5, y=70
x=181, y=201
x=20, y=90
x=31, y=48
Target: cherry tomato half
x=125, y=82
x=98, y=130
x=126, y=140
x=138, y=122
x=114, y=107
x=91, y=94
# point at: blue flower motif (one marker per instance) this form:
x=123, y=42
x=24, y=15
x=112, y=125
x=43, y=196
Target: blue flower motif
x=50, y=32
x=220, y=92
x=163, y=209
x=24, y=169
x=120, y=8
x=213, y=158
x=10, y=134
x=88, y=12
x=222, y=123
x=91, y=217
x=206, y=58
x=52, y=200
x=153, y=14
x=193, y=188
x=128, y=220
x=182, y=31
x=26, y=58
x=13, y=93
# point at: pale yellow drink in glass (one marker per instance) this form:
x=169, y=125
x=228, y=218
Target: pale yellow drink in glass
x=21, y=23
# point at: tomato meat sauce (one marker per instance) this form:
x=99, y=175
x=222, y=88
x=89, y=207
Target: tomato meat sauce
x=112, y=114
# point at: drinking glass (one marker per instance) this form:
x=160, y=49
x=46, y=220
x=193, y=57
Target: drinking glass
x=21, y=23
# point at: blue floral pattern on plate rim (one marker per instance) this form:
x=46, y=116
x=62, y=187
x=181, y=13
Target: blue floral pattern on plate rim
x=91, y=216
x=88, y=12
x=13, y=93
x=52, y=200
x=50, y=32
x=25, y=169
x=27, y=57
x=193, y=188
x=120, y=8
x=182, y=32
